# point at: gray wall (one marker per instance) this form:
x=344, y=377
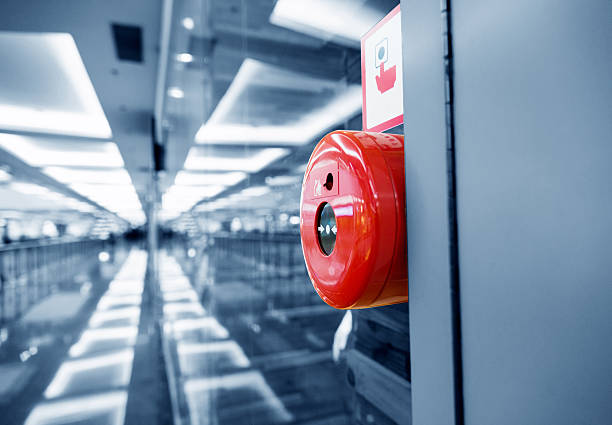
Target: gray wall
x=533, y=110
x=534, y=176
x=427, y=221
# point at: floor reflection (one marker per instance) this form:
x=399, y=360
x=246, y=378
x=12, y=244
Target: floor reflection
x=238, y=358
x=234, y=351
x=103, y=409
x=90, y=386
x=243, y=397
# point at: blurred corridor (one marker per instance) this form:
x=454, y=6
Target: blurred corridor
x=180, y=129
x=179, y=217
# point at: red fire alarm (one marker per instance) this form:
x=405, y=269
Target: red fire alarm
x=353, y=219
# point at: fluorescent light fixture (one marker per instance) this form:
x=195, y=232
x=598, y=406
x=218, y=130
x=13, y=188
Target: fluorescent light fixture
x=62, y=57
x=54, y=196
x=283, y=180
x=215, y=205
x=5, y=176
x=184, y=57
x=79, y=175
x=188, y=23
x=342, y=107
x=123, y=192
x=119, y=364
x=187, y=178
x=136, y=217
x=29, y=188
x=344, y=104
x=49, y=229
x=80, y=206
x=125, y=335
x=192, y=192
x=197, y=161
x=37, y=152
x=175, y=93
x=116, y=198
x=166, y=215
x=319, y=18
x=110, y=405
x=255, y=191
x=181, y=198
x=199, y=392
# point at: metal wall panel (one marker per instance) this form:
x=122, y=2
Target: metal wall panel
x=427, y=217
x=533, y=133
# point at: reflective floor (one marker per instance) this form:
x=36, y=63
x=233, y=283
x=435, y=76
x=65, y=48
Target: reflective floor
x=237, y=361
x=73, y=347
x=230, y=351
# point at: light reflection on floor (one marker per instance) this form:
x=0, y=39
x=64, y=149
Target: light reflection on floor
x=204, y=328
x=104, y=339
x=117, y=317
x=202, y=347
x=90, y=387
x=105, y=408
x=251, y=394
x=92, y=374
x=222, y=354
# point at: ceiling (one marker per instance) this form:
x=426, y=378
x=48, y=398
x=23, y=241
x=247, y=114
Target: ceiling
x=255, y=83
x=249, y=85
x=126, y=90
x=39, y=80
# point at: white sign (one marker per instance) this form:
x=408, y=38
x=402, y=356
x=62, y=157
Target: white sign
x=381, y=74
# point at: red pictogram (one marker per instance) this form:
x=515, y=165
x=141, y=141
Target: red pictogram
x=386, y=80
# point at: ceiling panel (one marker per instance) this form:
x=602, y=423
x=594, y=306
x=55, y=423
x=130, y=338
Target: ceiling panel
x=46, y=86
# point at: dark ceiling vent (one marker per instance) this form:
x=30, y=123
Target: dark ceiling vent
x=128, y=42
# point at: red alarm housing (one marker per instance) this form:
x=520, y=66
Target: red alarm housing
x=353, y=219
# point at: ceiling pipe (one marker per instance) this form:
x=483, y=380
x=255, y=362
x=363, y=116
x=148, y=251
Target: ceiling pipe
x=162, y=68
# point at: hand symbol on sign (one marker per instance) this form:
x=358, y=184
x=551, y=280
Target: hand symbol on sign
x=386, y=80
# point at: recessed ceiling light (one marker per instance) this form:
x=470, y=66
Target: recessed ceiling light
x=283, y=180
x=197, y=161
x=39, y=152
x=188, y=23
x=181, y=198
x=4, y=176
x=201, y=179
x=47, y=64
x=29, y=188
x=175, y=93
x=79, y=205
x=184, y=57
x=112, y=197
x=135, y=216
x=344, y=102
x=255, y=191
x=78, y=175
x=319, y=18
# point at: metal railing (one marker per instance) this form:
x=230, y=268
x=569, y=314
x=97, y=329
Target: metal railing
x=273, y=262
x=30, y=271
